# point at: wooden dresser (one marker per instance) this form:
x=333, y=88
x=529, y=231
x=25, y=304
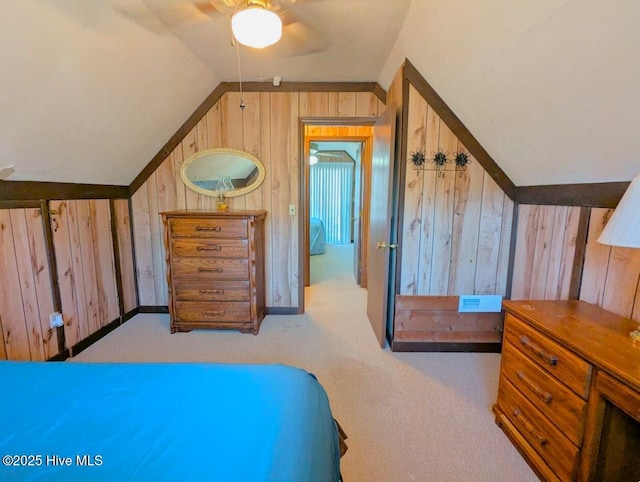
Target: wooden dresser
x=551, y=402
x=215, y=269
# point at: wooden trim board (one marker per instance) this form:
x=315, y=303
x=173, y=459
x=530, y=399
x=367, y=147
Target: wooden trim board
x=596, y=195
x=434, y=322
x=33, y=190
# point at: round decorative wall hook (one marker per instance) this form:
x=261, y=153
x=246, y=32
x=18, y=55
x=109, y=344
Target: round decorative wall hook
x=462, y=160
x=417, y=158
x=439, y=160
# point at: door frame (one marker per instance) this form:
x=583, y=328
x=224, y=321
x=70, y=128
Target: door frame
x=303, y=183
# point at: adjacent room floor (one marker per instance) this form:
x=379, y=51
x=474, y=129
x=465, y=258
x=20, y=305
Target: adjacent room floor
x=409, y=416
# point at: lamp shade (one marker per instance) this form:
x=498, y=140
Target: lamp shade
x=256, y=27
x=623, y=229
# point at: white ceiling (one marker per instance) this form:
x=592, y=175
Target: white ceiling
x=550, y=88
x=91, y=90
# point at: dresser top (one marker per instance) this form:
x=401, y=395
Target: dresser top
x=258, y=213
x=598, y=335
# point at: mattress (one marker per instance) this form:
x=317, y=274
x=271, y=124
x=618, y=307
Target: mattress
x=156, y=421
x=316, y=236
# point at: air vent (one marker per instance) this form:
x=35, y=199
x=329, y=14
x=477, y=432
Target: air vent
x=480, y=304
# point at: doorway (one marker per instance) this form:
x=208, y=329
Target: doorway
x=335, y=192
x=334, y=206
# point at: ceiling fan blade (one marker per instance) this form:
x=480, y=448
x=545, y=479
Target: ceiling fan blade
x=221, y=6
x=162, y=15
x=298, y=39
x=333, y=155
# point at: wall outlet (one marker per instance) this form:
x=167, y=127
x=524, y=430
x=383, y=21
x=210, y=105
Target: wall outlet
x=55, y=320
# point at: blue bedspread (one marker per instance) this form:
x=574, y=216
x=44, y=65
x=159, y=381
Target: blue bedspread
x=164, y=422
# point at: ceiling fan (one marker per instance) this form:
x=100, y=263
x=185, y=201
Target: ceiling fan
x=315, y=154
x=297, y=37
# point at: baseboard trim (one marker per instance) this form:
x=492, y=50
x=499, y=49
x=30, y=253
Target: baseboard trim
x=127, y=316
x=153, y=309
x=279, y=310
x=424, y=346
x=91, y=339
x=62, y=356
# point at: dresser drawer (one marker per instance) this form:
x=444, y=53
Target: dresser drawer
x=195, y=311
x=210, y=268
x=201, y=247
x=190, y=290
x=564, y=365
x=558, y=452
x=209, y=228
x=563, y=407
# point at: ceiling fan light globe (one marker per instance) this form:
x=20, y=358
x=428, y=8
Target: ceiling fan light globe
x=256, y=27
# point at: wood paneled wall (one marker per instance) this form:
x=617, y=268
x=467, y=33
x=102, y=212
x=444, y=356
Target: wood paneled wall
x=456, y=226
x=86, y=268
x=85, y=284
x=545, y=258
x=122, y=221
x=544, y=255
x=611, y=275
x=25, y=292
x=268, y=128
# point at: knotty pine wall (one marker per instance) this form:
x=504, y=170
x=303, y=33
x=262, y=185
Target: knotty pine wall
x=545, y=256
x=84, y=282
x=456, y=227
x=611, y=275
x=268, y=128
x=545, y=249
x=25, y=292
x=86, y=266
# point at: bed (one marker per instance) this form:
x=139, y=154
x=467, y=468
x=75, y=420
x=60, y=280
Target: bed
x=316, y=236
x=157, y=421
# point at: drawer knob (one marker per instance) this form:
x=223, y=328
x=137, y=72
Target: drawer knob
x=217, y=247
x=214, y=313
x=210, y=270
x=537, y=351
x=528, y=426
x=209, y=228
x=212, y=292
x=537, y=391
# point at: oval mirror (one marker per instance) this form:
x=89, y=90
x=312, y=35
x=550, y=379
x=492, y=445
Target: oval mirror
x=223, y=171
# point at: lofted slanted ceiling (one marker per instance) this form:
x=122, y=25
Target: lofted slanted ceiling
x=91, y=90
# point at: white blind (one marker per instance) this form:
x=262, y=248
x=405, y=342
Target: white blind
x=331, y=198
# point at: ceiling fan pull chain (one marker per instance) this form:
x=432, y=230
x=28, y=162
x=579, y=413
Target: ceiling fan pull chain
x=240, y=78
x=242, y=104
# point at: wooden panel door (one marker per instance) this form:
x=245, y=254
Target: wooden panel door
x=378, y=258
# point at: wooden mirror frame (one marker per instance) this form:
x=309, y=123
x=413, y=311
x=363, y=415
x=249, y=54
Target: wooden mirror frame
x=227, y=152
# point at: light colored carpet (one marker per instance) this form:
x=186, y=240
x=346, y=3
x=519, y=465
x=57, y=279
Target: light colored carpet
x=409, y=416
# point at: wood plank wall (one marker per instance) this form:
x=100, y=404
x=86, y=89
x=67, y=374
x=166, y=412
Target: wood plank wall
x=86, y=268
x=268, y=128
x=25, y=292
x=85, y=283
x=457, y=226
x=125, y=251
x=611, y=275
x=544, y=255
x=544, y=260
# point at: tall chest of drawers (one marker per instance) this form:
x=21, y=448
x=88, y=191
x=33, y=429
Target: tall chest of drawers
x=215, y=269
x=556, y=355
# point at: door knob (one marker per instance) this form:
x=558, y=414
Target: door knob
x=385, y=245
